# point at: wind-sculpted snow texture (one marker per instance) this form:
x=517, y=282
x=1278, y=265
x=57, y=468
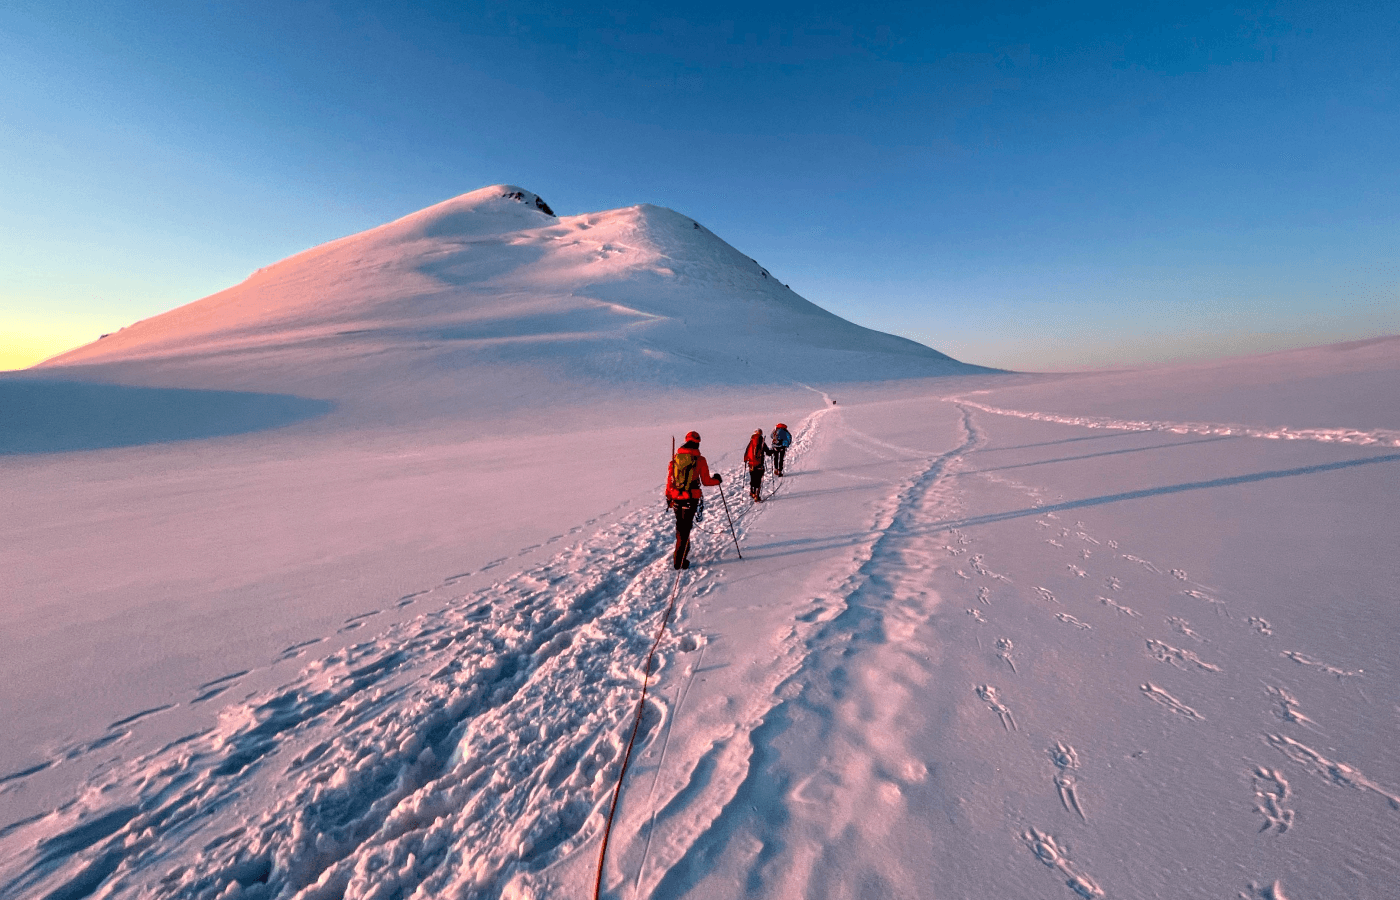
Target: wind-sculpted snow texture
x=440, y=757
x=963, y=656
x=170, y=513
x=1020, y=599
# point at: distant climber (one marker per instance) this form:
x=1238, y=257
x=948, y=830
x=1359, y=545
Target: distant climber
x=754, y=456
x=781, y=440
x=687, y=472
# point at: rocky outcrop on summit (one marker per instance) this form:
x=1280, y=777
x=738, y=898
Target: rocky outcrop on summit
x=532, y=199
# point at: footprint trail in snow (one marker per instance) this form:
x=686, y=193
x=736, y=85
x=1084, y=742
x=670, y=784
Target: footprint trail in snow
x=451, y=755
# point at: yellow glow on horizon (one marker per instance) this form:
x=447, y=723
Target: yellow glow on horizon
x=28, y=345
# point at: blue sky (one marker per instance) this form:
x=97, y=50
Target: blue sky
x=1053, y=185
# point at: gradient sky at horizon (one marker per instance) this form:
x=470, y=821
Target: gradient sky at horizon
x=1037, y=186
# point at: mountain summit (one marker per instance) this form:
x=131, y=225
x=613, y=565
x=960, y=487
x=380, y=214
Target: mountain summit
x=494, y=279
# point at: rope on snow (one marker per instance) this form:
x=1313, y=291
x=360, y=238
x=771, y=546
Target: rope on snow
x=636, y=725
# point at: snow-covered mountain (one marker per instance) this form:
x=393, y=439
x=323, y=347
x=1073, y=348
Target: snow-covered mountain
x=1125, y=634
x=492, y=279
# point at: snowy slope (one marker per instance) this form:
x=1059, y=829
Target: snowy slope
x=448, y=298
x=271, y=461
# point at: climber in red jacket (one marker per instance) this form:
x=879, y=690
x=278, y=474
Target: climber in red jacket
x=687, y=472
x=755, y=455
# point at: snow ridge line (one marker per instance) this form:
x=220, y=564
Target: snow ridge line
x=838, y=631
x=1378, y=437
x=450, y=755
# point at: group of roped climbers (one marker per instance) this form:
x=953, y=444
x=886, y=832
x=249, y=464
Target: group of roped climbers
x=689, y=471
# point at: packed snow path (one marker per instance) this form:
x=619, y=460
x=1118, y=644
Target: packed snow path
x=444, y=755
x=964, y=656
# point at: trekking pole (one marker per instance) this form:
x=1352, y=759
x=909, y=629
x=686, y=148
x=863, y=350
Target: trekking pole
x=731, y=523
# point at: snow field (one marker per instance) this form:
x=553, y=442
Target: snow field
x=1019, y=682
x=1060, y=636
x=1378, y=437
x=802, y=590
x=453, y=755
x=1126, y=712
x=965, y=654
x=133, y=575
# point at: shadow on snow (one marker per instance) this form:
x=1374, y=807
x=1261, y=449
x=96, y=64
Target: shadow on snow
x=51, y=416
x=827, y=542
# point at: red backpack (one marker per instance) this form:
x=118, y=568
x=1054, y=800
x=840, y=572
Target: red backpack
x=754, y=454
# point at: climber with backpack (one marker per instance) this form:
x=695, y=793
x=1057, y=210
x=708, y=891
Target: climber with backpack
x=754, y=456
x=687, y=472
x=781, y=439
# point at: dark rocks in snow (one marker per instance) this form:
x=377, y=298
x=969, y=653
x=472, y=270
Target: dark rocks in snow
x=539, y=202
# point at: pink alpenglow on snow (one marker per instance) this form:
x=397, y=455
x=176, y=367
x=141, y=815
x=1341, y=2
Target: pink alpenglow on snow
x=1119, y=635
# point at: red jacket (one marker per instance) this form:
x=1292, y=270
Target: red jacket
x=689, y=491
x=754, y=453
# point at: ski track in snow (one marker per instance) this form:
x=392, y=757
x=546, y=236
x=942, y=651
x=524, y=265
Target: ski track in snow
x=452, y=755
x=1377, y=437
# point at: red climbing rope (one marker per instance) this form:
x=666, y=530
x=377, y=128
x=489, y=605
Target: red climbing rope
x=636, y=724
